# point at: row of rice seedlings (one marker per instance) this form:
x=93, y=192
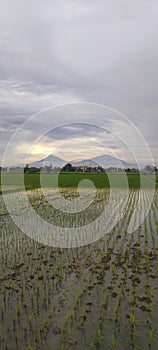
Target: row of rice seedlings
x=149, y=296
x=132, y=262
x=116, y=318
x=104, y=309
x=76, y=298
x=107, y=293
x=149, y=246
x=121, y=287
x=117, y=287
x=153, y=222
x=131, y=316
x=83, y=315
x=147, y=283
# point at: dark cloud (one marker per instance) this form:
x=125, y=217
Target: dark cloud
x=76, y=130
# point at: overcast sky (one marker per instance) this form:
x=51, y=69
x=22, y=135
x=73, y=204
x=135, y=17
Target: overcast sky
x=60, y=51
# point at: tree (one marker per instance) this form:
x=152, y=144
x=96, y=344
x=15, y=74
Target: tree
x=68, y=167
x=149, y=169
x=26, y=169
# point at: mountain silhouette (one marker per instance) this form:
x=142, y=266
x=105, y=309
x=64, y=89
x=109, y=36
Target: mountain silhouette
x=50, y=160
x=105, y=161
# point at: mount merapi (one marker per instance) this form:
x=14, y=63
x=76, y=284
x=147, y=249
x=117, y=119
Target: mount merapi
x=50, y=160
x=105, y=161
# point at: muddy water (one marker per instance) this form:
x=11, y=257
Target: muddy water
x=100, y=296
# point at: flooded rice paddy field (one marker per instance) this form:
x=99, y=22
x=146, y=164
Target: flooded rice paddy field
x=100, y=296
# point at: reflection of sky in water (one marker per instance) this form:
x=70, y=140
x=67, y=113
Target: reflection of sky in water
x=58, y=227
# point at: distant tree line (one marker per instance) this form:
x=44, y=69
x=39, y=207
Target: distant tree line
x=148, y=169
x=82, y=168
x=33, y=169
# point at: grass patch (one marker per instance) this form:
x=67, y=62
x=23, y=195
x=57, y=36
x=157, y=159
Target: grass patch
x=100, y=180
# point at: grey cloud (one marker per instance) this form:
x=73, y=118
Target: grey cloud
x=76, y=130
x=55, y=52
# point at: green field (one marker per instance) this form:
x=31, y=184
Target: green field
x=100, y=180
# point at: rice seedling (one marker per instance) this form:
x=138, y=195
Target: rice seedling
x=99, y=290
x=150, y=336
x=113, y=342
x=133, y=330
